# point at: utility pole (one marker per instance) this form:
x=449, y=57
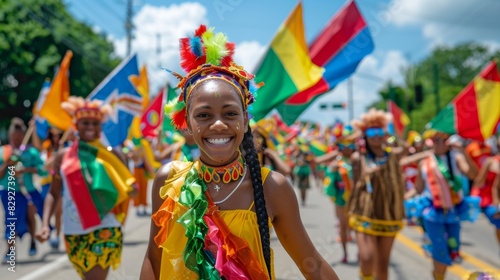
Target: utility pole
x=129, y=26
x=158, y=49
x=392, y=92
x=435, y=79
x=350, y=99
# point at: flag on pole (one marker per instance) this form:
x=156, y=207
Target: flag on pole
x=286, y=68
x=152, y=116
x=41, y=124
x=475, y=112
x=50, y=104
x=400, y=120
x=117, y=91
x=168, y=129
x=141, y=84
x=339, y=48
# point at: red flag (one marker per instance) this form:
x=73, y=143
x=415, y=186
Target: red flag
x=152, y=117
x=400, y=119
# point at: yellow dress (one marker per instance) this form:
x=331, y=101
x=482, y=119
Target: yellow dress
x=241, y=222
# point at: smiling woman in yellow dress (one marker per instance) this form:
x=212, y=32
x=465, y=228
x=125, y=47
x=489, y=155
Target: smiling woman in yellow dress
x=212, y=216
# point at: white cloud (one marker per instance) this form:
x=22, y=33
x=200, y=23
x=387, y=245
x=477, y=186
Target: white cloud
x=156, y=38
x=247, y=54
x=370, y=77
x=449, y=21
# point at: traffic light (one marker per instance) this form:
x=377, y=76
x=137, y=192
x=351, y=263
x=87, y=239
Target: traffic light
x=419, y=94
x=340, y=105
x=324, y=106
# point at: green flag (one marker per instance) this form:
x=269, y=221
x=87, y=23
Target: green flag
x=168, y=128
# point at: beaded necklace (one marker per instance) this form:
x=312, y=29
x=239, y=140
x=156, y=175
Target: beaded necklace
x=225, y=174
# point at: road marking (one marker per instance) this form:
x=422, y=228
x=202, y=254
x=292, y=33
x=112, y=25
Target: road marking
x=483, y=266
x=46, y=269
x=456, y=269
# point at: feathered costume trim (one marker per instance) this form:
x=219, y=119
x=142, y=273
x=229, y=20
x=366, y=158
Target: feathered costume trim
x=211, y=250
x=208, y=55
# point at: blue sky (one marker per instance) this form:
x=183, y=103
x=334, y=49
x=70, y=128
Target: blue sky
x=404, y=32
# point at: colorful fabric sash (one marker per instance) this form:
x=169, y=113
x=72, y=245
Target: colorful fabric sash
x=211, y=250
x=345, y=171
x=98, y=182
x=444, y=191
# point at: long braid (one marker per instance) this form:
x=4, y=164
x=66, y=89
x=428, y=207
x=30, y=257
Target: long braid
x=252, y=161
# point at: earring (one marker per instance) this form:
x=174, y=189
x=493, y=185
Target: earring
x=190, y=132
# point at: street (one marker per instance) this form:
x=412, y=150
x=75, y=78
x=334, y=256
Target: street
x=480, y=250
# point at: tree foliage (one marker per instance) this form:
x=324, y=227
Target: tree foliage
x=443, y=74
x=34, y=36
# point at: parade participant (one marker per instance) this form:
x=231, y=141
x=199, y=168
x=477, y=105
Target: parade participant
x=376, y=202
x=93, y=184
x=338, y=183
x=213, y=215
x=184, y=147
x=304, y=164
x=439, y=180
x=266, y=149
x=18, y=164
x=140, y=171
x=487, y=187
x=48, y=150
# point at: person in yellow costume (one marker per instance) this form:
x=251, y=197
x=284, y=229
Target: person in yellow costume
x=212, y=216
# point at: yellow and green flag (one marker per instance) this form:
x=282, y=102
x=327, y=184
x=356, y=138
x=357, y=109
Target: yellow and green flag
x=286, y=68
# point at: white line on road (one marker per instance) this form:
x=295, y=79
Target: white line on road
x=46, y=269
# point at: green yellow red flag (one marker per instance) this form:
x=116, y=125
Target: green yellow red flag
x=475, y=112
x=286, y=68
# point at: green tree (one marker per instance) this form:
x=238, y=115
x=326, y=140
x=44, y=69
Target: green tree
x=456, y=66
x=34, y=36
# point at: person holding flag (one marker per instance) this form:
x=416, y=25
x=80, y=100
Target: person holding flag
x=18, y=164
x=93, y=184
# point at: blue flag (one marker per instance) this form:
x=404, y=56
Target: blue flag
x=117, y=91
x=41, y=124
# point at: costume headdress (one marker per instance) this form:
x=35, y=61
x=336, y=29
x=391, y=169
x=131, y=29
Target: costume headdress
x=373, y=118
x=413, y=137
x=80, y=108
x=265, y=127
x=208, y=55
x=345, y=134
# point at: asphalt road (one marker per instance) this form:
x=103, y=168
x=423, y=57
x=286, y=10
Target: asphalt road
x=480, y=250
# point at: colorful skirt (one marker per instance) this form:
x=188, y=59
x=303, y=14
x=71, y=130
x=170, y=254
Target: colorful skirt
x=101, y=247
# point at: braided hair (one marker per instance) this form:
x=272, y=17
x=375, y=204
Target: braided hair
x=252, y=161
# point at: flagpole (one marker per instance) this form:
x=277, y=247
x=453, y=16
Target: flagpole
x=27, y=136
x=65, y=136
x=350, y=100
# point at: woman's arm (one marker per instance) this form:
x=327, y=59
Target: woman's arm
x=282, y=203
x=327, y=157
x=356, y=167
x=152, y=260
x=281, y=166
x=481, y=175
x=53, y=197
x=466, y=165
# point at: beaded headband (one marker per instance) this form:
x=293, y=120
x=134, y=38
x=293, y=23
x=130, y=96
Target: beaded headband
x=80, y=108
x=208, y=55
